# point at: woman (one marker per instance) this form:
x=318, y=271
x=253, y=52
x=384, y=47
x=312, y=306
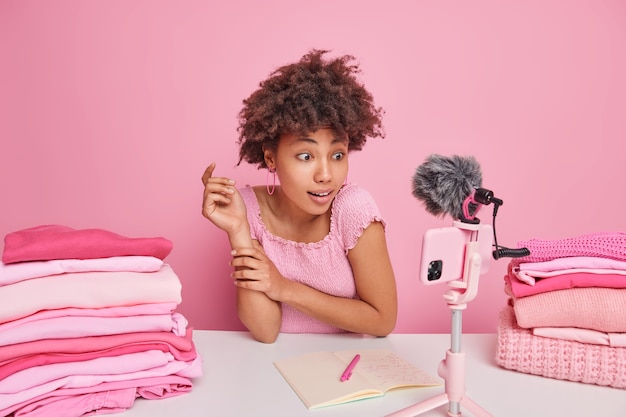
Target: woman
x=310, y=254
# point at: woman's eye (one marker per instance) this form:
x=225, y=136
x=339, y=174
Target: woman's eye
x=304, y=156
x=338, y=156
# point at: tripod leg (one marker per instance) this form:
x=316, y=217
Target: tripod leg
x=474, y=408
x=421, y=407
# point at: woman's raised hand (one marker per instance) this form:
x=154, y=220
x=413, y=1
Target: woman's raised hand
x=222, y=203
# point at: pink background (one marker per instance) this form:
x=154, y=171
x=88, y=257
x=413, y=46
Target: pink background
x=110, y=111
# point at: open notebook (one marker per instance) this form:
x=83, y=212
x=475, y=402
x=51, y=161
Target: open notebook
x=316, y=377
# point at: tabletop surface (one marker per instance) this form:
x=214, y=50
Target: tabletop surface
x=240, y=380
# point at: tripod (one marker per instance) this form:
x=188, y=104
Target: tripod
x=452, y=368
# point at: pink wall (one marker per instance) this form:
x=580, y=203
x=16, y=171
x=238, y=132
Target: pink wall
x=110, y=110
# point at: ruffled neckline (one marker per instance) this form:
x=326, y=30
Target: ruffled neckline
x=305, y=245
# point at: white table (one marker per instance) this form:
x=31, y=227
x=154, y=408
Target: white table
x=241, y=380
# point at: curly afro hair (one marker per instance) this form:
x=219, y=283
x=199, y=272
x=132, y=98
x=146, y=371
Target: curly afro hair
x=302, y=97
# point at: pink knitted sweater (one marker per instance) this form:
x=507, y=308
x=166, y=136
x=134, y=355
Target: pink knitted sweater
x=601, y=244
x=519, y=350
x=322, y=265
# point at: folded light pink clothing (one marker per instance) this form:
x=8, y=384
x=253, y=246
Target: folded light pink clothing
x=52, y=348
x=97, y=403
x=120, y=311
x=602, y=245
x=113, y=365
x=11, y=367
x=89, y=290
x=574, y=262
x=564, y=281
x=528, y=271
x=20, y=271
x=77, y=327
x=185, y=369
x=519, y=350
x=65, y=399
x=602, y=309
x=48, y=242
x=592, y=337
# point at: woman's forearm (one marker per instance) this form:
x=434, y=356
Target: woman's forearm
x=261, y=315
x=353, y=315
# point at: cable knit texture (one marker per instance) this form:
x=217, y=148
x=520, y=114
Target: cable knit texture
x=322, y=265
x=602, y=244
x=519, y=350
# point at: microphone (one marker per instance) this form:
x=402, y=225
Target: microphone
x=443, y=184
x=453, y=186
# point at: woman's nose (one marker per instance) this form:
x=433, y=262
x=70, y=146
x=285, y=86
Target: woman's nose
x=323, y=172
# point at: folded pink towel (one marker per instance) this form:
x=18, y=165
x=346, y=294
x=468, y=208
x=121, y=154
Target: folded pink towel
x=602, y=244
x=43, y=243
x=519, y=350
x=601, y=309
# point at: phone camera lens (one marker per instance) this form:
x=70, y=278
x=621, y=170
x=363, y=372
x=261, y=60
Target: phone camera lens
x=434, y=270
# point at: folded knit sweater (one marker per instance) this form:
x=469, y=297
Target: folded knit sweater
x=519, y=350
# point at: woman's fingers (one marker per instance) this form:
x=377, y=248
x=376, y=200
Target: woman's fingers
x=207, y=177
x=248, y=263
x=208, y=172
x=245, y=261
x=255, y=252
x=216, y=190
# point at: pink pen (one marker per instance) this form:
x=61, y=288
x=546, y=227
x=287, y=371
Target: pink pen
x=348, y=372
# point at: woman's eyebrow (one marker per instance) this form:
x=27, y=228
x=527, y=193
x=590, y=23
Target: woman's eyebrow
x=311, y=140
x=306, y=139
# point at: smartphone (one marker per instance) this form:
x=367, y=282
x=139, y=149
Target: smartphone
x=443, y=253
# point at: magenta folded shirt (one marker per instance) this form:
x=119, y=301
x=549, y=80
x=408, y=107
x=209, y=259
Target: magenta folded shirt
x=31, y=361
x=43, y=243
x=566, y=280
x=51, y=348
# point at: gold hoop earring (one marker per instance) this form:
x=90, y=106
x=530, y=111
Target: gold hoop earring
x=267, y=181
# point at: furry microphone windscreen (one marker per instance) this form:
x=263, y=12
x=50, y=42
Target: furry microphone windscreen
x=443, y=183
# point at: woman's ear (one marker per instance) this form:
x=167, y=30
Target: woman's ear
x=269, y=158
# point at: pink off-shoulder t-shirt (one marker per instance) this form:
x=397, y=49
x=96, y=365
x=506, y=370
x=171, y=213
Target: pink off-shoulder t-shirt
x=322, y=265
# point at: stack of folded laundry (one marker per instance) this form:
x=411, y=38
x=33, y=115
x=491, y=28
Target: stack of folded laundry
x=88, y=323
x=566, y=313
